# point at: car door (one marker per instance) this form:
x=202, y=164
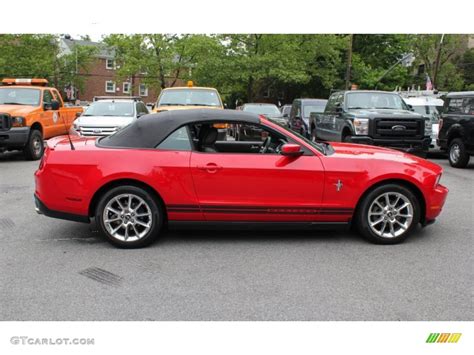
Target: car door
x=47, y=116
x=252, y=186
x=62, y=118
x=324, y=120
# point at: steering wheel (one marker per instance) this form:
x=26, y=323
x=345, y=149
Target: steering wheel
x=266, y=145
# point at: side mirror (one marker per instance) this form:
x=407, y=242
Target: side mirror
x=79, y=114
x=285, y=115
x=54, y=105
x=410, y=107
x=225, y=106
x=291, y=150
x=339, y=109
x=140, y=114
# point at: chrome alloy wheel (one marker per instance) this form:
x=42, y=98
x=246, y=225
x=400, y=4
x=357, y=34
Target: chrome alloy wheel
x=455, y=153
x=390, y=215
x=127, y=217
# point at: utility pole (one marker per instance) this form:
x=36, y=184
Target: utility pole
x=349, y=62
x=438, y=58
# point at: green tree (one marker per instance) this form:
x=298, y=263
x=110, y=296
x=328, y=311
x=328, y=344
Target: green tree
x=426, y=46
x=38, y=56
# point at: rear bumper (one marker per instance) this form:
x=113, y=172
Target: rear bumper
x=14, y=137
x=41, y=208
x=406, y=145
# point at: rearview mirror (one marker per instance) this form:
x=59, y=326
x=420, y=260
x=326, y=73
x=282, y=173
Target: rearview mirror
x=291, y=150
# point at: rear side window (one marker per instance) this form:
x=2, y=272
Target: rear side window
x=455, y=106
x=468, y=106
x=331, y=104
x=178, y=140
x=47, y=97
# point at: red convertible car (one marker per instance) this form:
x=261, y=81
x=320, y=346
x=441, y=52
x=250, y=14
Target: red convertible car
x=169, y=169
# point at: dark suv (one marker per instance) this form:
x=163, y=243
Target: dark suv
x=456, y=128
x=300, y=112
x=374, y=118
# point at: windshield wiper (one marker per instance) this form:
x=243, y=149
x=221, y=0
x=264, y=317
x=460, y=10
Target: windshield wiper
x=386, y=108
x=171, y=104
x=200, y=105
x=11, y=103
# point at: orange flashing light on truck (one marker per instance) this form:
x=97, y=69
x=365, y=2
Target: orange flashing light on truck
x=30, y=112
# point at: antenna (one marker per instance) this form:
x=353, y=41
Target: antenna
x=67, y=132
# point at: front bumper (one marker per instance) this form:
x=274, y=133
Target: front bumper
x=435, y=202
x=41, y=208
x=406, y=145
x=14, y=137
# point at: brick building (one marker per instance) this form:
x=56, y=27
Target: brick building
x=100, y=78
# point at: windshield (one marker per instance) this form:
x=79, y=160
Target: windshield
x=321, y=147
x=19, y=96
x=375, y=100
x=428, y=111
x=307, y=109
x=103, y=108
x=271, y=110
x=189, y=97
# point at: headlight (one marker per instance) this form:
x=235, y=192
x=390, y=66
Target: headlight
x=428, y=127
x=75, y=130
x=361, y=126
x=18, y=121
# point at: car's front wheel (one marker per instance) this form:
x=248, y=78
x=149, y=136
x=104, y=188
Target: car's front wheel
x=129, y=217
x=388, y=214
x=458, y=156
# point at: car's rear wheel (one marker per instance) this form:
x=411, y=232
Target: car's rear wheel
x=129, y=217
x=458, y=157
x=35, y=146
x=388, y=214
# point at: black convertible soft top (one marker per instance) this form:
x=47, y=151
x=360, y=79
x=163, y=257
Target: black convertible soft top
x=150, y=130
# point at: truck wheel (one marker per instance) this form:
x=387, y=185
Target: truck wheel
x=388, y=214
x=35, y=146
x=129, y=217
x=458, y=157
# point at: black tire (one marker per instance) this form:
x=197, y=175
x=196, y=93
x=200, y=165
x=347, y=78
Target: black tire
x=457, y=155
x=155, y=210
x=362, y=217
x=347, y=138
x=35, y=146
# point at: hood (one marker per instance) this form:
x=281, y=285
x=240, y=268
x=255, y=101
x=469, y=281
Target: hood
x=172, y=108
x=385, y=112
x=103, y=121
x=370, y=152
x=17, y=110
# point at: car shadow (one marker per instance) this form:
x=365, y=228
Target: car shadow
x=14, y=155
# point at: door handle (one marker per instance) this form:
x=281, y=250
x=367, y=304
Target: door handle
x=210, y=168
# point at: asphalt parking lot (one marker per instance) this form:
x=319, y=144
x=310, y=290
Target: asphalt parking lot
x=59, y=270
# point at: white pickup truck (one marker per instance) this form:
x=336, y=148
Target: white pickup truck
x=107, y=115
